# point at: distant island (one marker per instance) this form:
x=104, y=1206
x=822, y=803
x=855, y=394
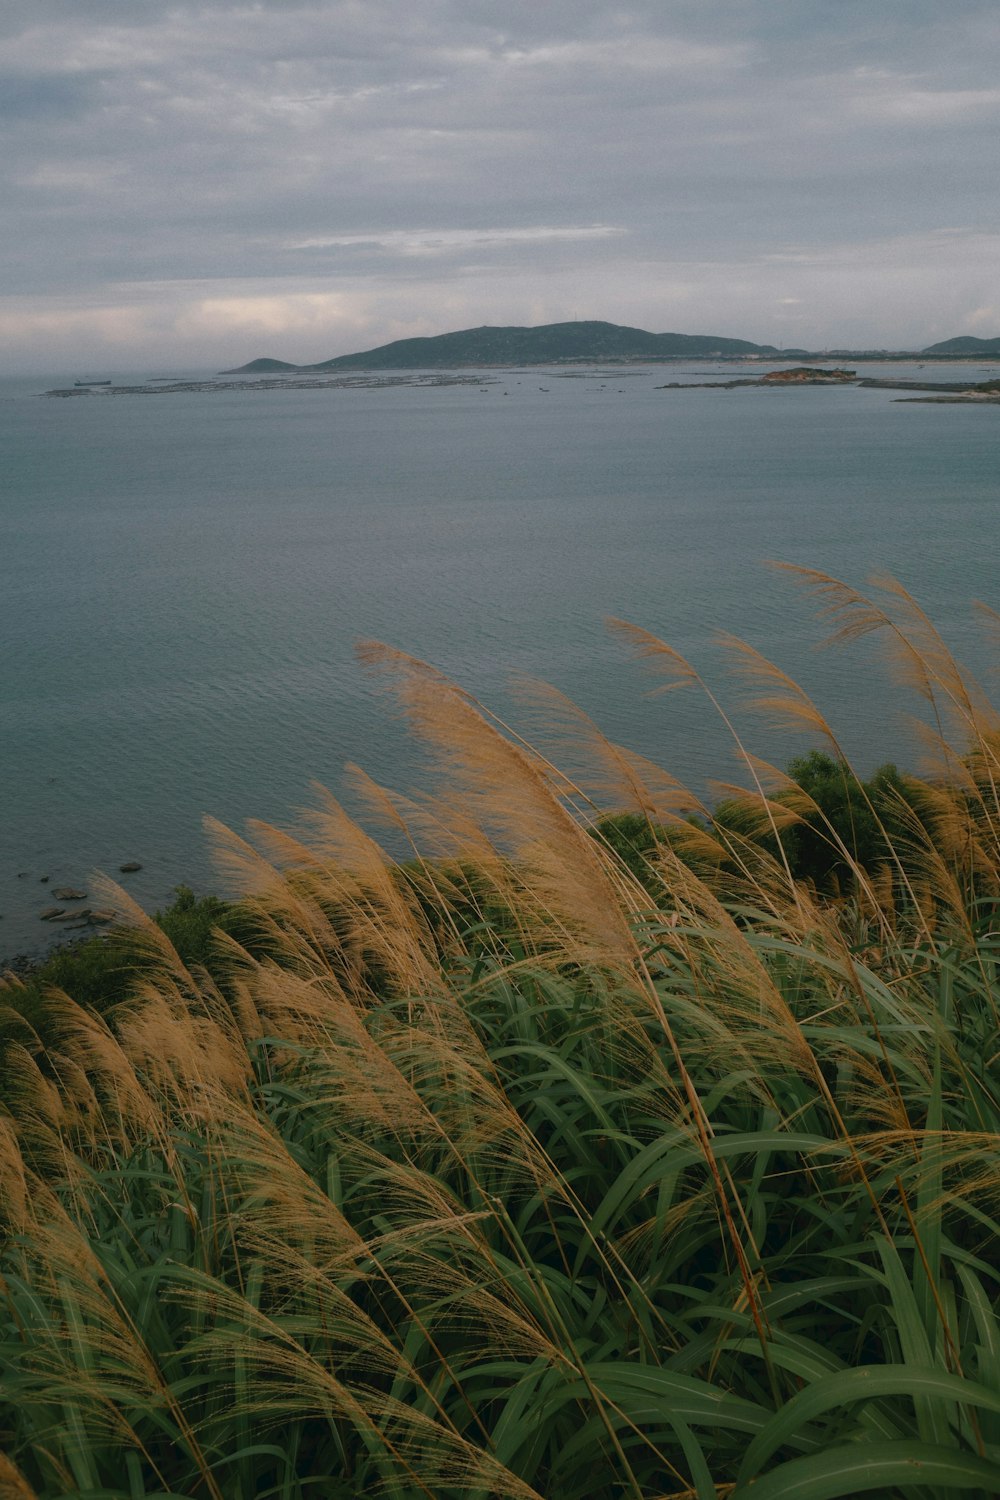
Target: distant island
x=588, y=341
x=548, y=344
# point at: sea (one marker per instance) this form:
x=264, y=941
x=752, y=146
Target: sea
x=185, y=576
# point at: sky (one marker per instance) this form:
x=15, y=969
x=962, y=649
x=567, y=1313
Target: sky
x=199, y=184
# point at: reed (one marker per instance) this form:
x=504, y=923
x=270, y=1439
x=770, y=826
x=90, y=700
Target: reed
x=564, y=1159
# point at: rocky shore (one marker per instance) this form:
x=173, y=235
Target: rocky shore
x=949, y=391
x=66, y=920
x=946, y=392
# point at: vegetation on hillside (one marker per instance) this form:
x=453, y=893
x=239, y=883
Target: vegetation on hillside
x=548, y=343
x=965, y=345
x=577, y=1157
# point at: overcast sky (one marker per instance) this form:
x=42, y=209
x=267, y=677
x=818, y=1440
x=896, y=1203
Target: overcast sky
x=202, y=183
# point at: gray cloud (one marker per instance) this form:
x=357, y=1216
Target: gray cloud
x=194, y=179
x=38, y=97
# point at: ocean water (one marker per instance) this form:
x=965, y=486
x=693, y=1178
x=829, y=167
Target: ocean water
x=183, y=579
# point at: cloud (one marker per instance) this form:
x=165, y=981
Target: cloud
x=288, y=316
x=939, y=247
x=50, y=326
x=215, y=164
x=881, y=95
x=452, y=241
x=69, y=178
x=633, y=53
x=43, y=96
x=982, y=318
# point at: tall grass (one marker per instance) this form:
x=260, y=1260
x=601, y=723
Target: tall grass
x=565, y=1159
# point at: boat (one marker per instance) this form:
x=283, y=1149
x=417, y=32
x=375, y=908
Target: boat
x=92, y=382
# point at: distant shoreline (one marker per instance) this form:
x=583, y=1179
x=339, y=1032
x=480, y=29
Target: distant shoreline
x=615, y=362
x=979, y=393
x=357, y=381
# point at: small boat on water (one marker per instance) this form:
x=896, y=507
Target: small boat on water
x=92, y=382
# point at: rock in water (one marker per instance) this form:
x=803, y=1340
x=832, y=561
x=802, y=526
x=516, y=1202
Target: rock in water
x=130, y=866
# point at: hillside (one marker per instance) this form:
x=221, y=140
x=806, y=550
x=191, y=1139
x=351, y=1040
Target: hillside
x=550, y=343
x=965, y=345
x=263, y=367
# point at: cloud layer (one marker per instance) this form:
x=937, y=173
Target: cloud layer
x=205, y=182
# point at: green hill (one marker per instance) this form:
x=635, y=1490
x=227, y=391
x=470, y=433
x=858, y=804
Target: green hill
x=965, y=345
x=263, y=367
x=551, y=343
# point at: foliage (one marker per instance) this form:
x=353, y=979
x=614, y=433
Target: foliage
x=190, y=922
x=548, y=344
x=100, y=971
x=544, y=1166
x=851, y=823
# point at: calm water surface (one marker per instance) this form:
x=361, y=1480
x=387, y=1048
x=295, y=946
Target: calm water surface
x=183, y=579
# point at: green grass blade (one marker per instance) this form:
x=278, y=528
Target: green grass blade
x=857, y=1468
x=866, y=1383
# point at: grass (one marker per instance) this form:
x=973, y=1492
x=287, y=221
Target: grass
x=571, y=1158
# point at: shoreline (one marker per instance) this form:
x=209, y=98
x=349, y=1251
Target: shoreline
x=27, y=963
x=158, y=387
x=946, y=392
